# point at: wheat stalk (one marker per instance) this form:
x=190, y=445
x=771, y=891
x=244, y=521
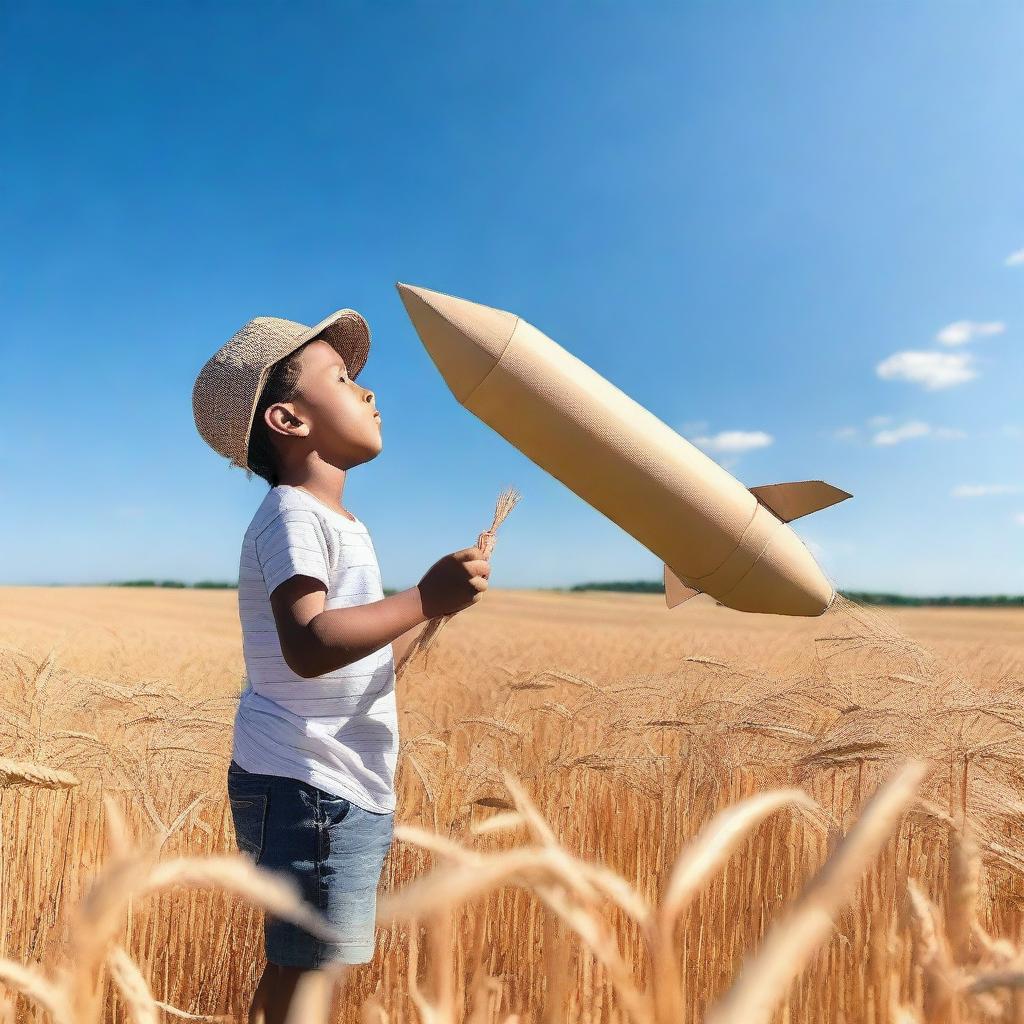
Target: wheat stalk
x=792, y=941
x=694, y=866
x=24, y=773
x=507, y=500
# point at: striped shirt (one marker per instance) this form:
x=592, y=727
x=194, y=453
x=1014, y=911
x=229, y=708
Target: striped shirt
x=337, y=731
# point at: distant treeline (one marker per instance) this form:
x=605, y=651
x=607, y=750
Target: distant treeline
x=984, y=601
x=656, y=587
x=860, y=596
x=201, y=585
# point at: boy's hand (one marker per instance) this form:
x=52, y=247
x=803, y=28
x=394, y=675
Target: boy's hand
x=454, y=582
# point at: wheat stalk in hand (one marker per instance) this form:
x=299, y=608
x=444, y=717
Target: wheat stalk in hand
x=507, y=501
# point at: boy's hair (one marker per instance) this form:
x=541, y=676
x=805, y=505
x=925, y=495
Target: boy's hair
x=282, y=386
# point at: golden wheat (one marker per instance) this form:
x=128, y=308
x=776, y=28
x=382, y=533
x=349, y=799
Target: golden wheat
x=607, y=735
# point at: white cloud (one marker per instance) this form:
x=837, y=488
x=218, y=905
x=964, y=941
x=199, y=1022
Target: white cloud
x=984, y=490
x=1016, y=258
x=908, y=431
x=734, y=441
x=1019, y=518
x=963, y=331
x=933, y=370
x=905, y=433
x=914, y=429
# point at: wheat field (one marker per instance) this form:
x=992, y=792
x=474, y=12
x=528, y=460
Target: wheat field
x=604, y=810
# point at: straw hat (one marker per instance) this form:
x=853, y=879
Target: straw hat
x=229, y=385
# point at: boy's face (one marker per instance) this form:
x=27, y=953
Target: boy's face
x=341, y=415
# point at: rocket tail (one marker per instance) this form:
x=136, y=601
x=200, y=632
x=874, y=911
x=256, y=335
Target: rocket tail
x=785, y=501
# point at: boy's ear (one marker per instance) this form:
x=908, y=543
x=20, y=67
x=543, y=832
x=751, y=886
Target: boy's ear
x=282, y=418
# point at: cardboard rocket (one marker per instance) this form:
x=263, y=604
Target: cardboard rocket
x=713, y=534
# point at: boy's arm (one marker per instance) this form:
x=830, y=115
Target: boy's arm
x=315, y=640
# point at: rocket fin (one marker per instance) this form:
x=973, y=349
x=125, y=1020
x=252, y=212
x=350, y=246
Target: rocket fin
x=800, y=498
x=676, y=591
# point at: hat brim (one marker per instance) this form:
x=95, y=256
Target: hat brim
x=348, y=333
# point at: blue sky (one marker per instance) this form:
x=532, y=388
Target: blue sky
x=744, y=215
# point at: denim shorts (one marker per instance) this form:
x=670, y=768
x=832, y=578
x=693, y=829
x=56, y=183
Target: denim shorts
x=332, y=847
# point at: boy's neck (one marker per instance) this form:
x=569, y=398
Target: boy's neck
x=324, y=481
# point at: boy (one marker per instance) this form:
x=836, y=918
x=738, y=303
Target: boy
x=315, y=742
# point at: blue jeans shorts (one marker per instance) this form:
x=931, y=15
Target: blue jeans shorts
x=333, y=848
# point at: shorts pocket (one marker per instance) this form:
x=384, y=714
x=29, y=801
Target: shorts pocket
x=333, y=808
x=249, y=812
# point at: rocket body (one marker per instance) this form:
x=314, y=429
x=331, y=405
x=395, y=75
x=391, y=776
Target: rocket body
x=711, y=532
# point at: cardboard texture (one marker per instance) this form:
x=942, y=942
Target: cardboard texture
x=714, y=535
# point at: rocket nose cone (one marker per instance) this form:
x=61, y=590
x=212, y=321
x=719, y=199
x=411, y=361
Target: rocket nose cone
x=464, y=339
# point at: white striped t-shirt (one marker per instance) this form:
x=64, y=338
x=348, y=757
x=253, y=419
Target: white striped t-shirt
x=337, y=731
